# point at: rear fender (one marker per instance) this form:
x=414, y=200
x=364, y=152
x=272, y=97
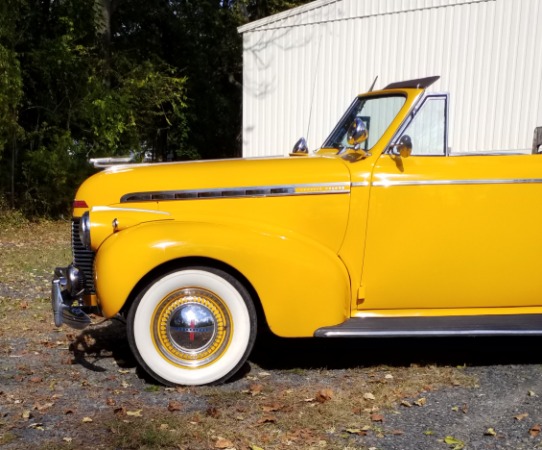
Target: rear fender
x=302, y=285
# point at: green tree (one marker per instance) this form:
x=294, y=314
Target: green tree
x=83, y=98
x=87, y=78
x=10, y=99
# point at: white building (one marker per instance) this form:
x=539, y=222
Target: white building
x=303, y=67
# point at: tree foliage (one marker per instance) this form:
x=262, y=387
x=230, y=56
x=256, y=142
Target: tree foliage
x=87, y=78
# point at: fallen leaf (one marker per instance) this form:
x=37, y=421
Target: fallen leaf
x=324, y=395
x=136, y=413
x=273, y=407
x=535, y=430
x=255, y=389
x=357, y=431
x=454, y=443
x=67, y=439
x=174, y=406
x=428, y=432
x=267, y=418
x=421, y=401
x=521, y=416
x=388, y=376
x=213, y=412
x=36, y=379
x=465, y=408
x=368, y=396
x=264, y=374
x=375, y=417
x=43, y=407
x=532, y=394
x=223, y=443
x=255, y=447
x=26, y=414
x=86, y=420
x=405, y=403
x=490, y=432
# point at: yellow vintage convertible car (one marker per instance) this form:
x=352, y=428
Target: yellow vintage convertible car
x=381, y=232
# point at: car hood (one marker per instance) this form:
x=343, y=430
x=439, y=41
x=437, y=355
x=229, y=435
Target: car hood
x=115, y=184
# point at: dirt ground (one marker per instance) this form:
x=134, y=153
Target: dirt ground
x=62, y=389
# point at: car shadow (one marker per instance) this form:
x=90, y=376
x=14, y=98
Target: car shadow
x=100, y=343
x=94, y=347
x=343, y=353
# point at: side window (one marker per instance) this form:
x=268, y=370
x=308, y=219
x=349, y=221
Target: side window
x=427, y=130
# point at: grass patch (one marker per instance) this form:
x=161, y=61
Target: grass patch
x=160, y=432
x=10, y=218
x=30, y=252
x=34, y=248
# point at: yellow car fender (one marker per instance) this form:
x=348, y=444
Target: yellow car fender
x=301, y=284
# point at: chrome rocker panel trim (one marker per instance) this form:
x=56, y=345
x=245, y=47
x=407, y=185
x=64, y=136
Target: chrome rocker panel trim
x=444, y=326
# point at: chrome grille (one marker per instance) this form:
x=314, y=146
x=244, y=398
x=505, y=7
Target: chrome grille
x=83, y=259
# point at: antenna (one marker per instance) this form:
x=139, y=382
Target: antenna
x=373, y=85
x=314, y=83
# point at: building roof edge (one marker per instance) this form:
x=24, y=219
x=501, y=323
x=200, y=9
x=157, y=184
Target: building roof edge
x=251, y=26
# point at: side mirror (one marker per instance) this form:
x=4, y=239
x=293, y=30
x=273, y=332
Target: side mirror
x=357, y=133
x=403, y=148
x=537, y=140
x=300, y=148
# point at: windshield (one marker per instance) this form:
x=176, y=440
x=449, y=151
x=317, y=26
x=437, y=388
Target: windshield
x=376, y=112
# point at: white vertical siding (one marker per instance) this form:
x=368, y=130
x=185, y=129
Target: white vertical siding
x=302, y=68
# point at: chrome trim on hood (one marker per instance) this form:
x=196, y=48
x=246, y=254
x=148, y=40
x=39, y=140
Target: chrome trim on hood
x=238, y=192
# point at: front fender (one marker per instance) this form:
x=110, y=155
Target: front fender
x=301, y=284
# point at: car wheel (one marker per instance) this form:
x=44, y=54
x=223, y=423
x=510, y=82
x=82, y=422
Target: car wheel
x=192, y=326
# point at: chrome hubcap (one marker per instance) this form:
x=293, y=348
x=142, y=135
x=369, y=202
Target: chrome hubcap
x=192, y=327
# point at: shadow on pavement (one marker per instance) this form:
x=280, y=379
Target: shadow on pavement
x=336, y=353
x=108, y=340
x=101, y=342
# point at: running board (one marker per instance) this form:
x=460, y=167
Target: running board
x=442, y=326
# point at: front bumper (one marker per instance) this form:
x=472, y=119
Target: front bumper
x=66, y=298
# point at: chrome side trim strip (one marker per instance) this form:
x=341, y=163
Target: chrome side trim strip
x=239, y=192
x=361, y=184
x=457, y=182
x=129, y=210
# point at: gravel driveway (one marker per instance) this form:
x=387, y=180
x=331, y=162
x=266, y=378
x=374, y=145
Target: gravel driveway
x=48, y=389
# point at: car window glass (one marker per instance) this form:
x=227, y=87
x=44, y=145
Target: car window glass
x=428, y=128
x=376, y=112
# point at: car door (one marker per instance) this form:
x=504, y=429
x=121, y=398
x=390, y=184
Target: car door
x=451, y=231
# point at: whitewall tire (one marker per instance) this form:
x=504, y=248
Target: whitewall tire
x=193, y=326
